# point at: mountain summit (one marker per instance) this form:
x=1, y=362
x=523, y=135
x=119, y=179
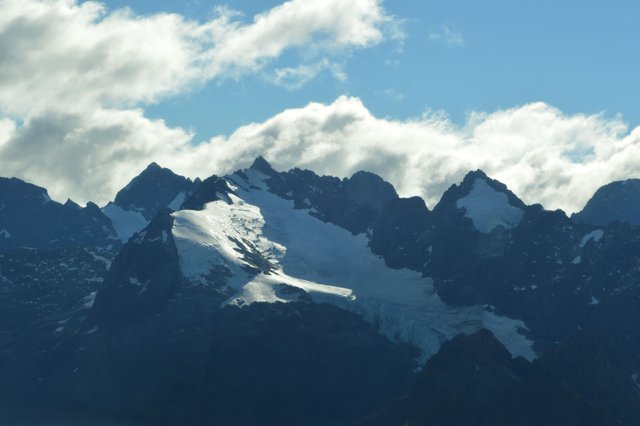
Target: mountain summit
x=617, y=201
x=29, y=218
x=263, y=296
x=152, y=190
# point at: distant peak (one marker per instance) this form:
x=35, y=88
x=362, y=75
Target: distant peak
x=363, y=174
x=369, y=189
x=154, y=188
x=262, y=165
x=469, y=182
x=154, y=170
x=477, y=186
x=153, y=166
x=71, y=203
x=617, y=201
x=475, y=174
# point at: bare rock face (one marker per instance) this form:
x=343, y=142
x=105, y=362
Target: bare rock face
x=615, y=202
x=154, y=189
x=29, y=218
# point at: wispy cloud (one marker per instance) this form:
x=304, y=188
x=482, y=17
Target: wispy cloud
x=448, y=36
x=293, y=78
x=392, y=95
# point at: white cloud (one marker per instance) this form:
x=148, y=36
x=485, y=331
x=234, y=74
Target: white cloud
x=71, y=75
x=319, y=26
x=449, y=36
x=88, y=156
x=65, y=54
x=542, y=154
x=7, y=130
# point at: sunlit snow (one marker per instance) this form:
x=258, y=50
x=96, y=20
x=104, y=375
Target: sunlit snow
x=177, y=202
x=488, y=208
x=325, y=261
x=594, y=235
x=125, y=222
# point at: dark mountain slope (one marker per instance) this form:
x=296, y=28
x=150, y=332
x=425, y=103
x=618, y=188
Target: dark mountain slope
x=617, y=201
x=474, y=381
x=154, y=189
x=29, y=218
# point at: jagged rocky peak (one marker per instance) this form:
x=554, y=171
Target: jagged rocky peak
x=362, y=188
x=29, y=218
x=618, y=201
x=354, y=203
x=369, y=189
x=488, y=203
x=263, y=166
x=143, y=276
x=154, y=189
x=404, y=234
x=17, y=193
x=71, y=203
x=211, y=189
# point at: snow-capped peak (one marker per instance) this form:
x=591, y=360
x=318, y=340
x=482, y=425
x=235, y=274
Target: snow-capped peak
x=154, y=189
x=489, y=208
x=265, y=250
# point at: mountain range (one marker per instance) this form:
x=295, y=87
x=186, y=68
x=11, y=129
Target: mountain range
x=267, y=297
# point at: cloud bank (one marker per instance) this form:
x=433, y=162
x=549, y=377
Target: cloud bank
x=543, y=155
x=74, y=79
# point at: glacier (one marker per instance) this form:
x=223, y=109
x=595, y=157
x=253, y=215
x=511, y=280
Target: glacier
x=264, y=245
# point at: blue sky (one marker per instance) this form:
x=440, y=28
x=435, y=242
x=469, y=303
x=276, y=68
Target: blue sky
x=540, y=95
x=579, y=56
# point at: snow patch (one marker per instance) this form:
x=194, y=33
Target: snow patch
x=577, y=260
x=177, y=202
x=88, y=301
x=594, y=235
x=99, y=258
x=4, y=233
x=125, y=222
x=488, y=208
x=264, y=243
x=594, y=301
